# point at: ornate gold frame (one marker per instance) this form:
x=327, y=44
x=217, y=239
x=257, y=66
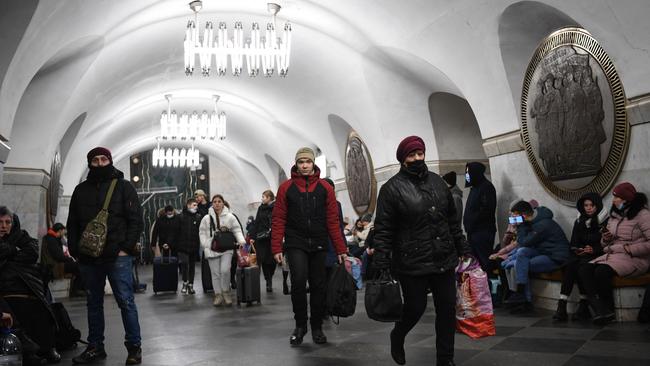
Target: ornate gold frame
x=606, y=177
x=373, y=179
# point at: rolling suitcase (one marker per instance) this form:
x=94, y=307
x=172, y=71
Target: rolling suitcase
x=165, y=274
x=206, y=276
x=248, y=285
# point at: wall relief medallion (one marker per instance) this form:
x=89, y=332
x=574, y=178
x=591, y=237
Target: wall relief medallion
x=360, y=175
x=573, y=119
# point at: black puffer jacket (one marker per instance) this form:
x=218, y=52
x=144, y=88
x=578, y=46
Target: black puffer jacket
x=262, y=221
x=481, y=204
x=586, y=229
x=165, y=231
x=19, y=273
x=188, y=240
x=416, y=223
x=124, y=217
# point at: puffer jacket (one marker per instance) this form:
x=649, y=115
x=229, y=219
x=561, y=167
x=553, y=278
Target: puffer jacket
x=545, y=235
x=19, y=273
x=165, y=231
x=586, y=229
x=262, y=221
x=187, y=238
x=227, y=222
x=416, y=225
x=125, y=221
x=629, y=253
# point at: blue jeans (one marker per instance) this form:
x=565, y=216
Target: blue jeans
x=530, y=260
x=120, y=276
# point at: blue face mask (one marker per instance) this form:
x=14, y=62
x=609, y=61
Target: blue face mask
x=620, y=207
x=467, y=177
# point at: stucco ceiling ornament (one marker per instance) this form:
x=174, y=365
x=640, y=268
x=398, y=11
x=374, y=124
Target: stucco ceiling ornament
x=266, y=52
x=360, y=175
x=573, y=119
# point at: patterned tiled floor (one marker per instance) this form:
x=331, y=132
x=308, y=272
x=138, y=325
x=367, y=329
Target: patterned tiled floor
x=187, y=330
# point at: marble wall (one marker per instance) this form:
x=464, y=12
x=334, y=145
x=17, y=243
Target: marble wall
x=224, y=182
x=24, y=191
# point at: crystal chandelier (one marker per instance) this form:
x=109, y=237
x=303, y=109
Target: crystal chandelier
x=258, y=51
x=192, y=127
x=175, y=157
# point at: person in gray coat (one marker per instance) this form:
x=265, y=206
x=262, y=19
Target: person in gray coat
x=456, y=193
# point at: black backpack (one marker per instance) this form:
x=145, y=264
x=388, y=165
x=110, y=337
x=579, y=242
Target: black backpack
x=67, y=335
x=341, y=296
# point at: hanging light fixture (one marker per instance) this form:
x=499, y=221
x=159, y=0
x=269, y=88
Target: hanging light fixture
x=192, y=127
x=175, y=157
x=266, y=52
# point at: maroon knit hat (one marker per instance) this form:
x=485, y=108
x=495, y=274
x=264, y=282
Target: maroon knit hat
x=99, y=151
x=625, y=191
x=407, y=146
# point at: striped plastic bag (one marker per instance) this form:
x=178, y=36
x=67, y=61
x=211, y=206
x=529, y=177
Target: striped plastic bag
x=474, y=315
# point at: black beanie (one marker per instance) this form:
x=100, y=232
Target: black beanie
x=450, y=178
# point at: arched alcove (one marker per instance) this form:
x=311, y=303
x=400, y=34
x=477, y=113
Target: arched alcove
x=70, y=135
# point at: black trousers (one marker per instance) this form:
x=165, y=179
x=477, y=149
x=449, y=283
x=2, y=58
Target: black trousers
x=597, y=281
x=443, y=289
x=570, y=276
x=35, y=319
x=188, y=262
x=265, y=258
x=482, y=244
x=307, y=266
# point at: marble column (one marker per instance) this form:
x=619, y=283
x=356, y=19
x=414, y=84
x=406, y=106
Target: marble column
x=24, y=191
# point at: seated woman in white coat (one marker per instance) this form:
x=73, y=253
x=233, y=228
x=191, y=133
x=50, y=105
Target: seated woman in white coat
x=219, y=217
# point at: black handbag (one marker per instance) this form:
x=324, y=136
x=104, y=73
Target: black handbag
x=383, y=298
x=222, y=241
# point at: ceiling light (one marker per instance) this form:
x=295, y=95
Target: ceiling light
x=193, y=126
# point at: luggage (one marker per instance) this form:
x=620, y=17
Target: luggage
x=206, y=276
x=67, y=335
x=248, y=285
x=165, y=274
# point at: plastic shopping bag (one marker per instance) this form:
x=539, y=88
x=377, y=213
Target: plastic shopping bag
x=474, y=315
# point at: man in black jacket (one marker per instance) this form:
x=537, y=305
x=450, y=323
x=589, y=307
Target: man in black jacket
x=416, y=229
x=187, y=243
x=479, y=218
x=165, y=231
x=124, y=227
x=53, y=258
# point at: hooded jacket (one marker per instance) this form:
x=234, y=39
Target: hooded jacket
x=545, y=235
x=481, y=203
x=165, y=231
x=262, y=221
x=306, y=215
x=124, y=216
x=586, y=229
x=187, y=237
x=227, y=222
x=416, y=225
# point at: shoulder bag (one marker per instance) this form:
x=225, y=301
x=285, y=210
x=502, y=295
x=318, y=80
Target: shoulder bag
x=93, y=238
x=222, y=241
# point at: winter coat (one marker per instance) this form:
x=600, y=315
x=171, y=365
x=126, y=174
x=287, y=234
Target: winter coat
x=19, y=273
x=586, y=229
x=457, y=193
x=203, y=208
x=188, y=240
x=481, y=203
x=305, y=214
x=629, y=253
x=227, y=222
x=165, y=231
x=125, y=221
x=53, y=248
x=331, y=258
x=262, y=222
x=416, y=224
x=545, y=235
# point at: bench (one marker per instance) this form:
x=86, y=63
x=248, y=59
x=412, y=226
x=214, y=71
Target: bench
x=628, y=293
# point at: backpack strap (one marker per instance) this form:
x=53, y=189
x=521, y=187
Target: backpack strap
x=212, y=228
x=109, y=195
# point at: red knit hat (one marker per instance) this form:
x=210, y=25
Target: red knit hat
x=625, y=191
x=407, y=146
x=99, y=151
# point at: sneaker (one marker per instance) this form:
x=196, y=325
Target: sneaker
x=190, y=289
x=318, y=336
x=135, y=355
x=91, y=354
x=297, y=336
x=218, y=299
x=227, y=299
x=184, y=289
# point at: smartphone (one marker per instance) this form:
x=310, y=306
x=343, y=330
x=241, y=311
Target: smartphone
x=515, y=219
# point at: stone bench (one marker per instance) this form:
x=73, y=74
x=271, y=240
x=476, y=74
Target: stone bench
x=628, y=293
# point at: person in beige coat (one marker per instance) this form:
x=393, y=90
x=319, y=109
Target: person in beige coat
x=219, y=262
x=626, y=244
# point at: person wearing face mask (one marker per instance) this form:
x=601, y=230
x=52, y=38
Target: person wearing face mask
x=165, y=231
x=188, y=243
x=418, y=237
x=626, y=248
x=260, y=234
x=124, y=227
x=479, y=218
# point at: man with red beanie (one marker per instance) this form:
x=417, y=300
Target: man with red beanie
x=418, y=236
x=123, y=229
x=306, y=216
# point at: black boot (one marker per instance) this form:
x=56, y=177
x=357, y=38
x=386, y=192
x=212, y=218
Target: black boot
x=134, y=356
x=582, y=312
x=603, y=314
x=52, y=356
x=518, y=297
x=269, y=286
x=297, y=336
x=318, y=336
x=561, y=314
x=397, y=348
x=285, y=286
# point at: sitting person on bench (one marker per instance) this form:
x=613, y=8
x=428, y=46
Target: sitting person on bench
x=55, y=259
x=626, y=244
x=585, y=246
x=543, y=248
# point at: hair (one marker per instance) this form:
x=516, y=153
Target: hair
x=269, y=193
x=169, y=208
x=639, y=202
x=522, y=207
x=161, y=212
x=4, y=211
x=58, y=226
x=189, y=201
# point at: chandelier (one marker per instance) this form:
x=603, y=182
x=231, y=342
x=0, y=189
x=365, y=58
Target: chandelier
x=175, y=157
x=193, y=126
x=265, y=52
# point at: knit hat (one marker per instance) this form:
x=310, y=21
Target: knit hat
x=407, y=146
x=199, y=192
x=305, y=153
x=450, y=178
x=99, y=151
x=625, y=191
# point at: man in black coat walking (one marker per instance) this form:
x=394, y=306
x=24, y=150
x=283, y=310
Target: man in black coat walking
x=479, y=217
x=188, y=243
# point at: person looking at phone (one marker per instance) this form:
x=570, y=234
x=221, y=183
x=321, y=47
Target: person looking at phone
x=585, y=246
x=544, y=248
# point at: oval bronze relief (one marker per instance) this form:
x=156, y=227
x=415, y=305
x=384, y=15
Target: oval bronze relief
x=360, y=175
x=573, y=119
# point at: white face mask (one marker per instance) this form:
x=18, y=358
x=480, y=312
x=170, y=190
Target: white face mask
x=467, y=177
x=192, y=210
x=170, y=215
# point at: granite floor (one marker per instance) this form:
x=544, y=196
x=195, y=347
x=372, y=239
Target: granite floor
x=187, y=330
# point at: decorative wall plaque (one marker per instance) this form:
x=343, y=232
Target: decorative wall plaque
x=573, y=120
x=360, y=175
